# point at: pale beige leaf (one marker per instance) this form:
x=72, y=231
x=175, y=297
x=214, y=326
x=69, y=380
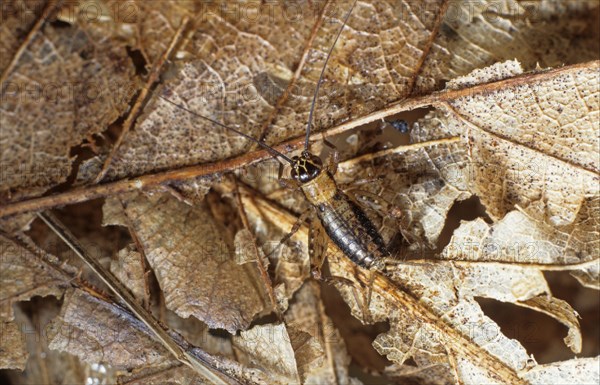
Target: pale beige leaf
x=589, y=276
x=478, y=34
x=530, y=143
x=575, y=371
x=449, y=290
x=193, y=260
x=514, y=238
x=268, y=347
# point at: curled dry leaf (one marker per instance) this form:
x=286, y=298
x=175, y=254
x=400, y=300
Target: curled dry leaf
x=524, y=143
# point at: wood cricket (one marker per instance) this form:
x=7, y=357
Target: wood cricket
x=340, y=219
x=339, y=216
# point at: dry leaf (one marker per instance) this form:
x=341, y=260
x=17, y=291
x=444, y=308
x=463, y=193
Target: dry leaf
x=12, y=350
x=491, y=125
x=23, y=275
x=46, y=366
x=193, y=260
x=65, y=86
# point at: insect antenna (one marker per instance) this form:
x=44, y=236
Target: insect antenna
x=270, y=149
x=312, y=107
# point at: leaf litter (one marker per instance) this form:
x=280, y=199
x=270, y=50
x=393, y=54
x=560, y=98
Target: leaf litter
x=521, y=139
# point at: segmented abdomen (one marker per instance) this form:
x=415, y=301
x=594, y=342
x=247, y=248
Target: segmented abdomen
x=351, y=230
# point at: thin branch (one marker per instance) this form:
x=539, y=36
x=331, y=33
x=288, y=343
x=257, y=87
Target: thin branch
x=119, y=290
x=150, y=181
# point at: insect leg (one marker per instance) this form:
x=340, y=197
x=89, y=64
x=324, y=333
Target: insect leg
x=303, y=217
x=334, y=158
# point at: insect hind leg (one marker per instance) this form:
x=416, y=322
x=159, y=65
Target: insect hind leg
x=295, y=227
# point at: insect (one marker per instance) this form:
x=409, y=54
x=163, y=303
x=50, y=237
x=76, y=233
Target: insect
x=340, y=217
x=344, y=222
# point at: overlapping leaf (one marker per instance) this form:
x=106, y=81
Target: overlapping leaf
x=524, y=144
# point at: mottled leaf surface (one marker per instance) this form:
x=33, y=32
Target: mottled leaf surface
x=194, y=261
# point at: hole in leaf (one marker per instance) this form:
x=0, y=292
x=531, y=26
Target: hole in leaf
x=138, y=60
x=58, y=24
x=358, y=337
x=539, y=334
x=466, y=210
x=221, y=333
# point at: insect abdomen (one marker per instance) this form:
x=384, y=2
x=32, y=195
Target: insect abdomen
x=345, y=223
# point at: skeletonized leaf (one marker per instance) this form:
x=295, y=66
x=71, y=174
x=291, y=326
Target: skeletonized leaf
x=532, y=141
x=575, y=371
x=518, y=238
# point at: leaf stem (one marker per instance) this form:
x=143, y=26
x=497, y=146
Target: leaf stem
x=118, y=289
